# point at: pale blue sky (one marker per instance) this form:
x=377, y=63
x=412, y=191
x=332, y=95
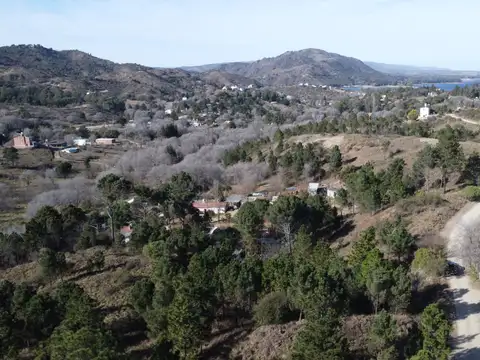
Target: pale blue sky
x=442, y=33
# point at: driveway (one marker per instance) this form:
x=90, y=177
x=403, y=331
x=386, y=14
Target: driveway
x=466, y=335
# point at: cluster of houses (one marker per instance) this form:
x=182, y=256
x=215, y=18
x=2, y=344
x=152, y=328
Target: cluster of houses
x=21, y=141
x=267, y=239
x=234, y=202
x=315, y=86
x=236, y=88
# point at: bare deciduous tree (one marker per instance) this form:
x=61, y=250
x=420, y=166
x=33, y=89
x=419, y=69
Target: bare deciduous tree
x=27, y=177
x=467, y=244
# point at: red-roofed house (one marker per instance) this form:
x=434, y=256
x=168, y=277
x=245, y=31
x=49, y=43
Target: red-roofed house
x=126, y=231
x=214, y=206
x=22, y=142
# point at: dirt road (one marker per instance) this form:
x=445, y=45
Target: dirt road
x=466, y=336
x=463, y=119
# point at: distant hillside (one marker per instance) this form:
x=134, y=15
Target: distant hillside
x=221, y=78
x=408, y=70
x=312, y=66
x=73, y=70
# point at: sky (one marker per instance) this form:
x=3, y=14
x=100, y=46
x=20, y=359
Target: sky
x=170, y=33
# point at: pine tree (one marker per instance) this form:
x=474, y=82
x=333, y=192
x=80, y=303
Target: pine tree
x=435, y=330
x=335, y=159
x=397, y=238
x=450, y=154
x=362, y=247
x=383, y=333
x=321, y=339
x=185, y=328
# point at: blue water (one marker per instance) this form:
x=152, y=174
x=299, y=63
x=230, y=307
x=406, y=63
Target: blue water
x=451, y=86
x=442, y=86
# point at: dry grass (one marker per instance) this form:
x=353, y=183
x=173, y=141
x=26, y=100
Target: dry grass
x=326, y=141
x=425, y=217
x=269, y=342
x=360, y=149
x=274, y=342
x=109, y=286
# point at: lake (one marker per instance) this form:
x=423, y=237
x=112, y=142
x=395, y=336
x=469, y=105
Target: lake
x=442, y=86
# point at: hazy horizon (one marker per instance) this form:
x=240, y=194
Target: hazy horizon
x=164, y=33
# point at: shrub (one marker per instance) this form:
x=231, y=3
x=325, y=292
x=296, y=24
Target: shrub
x=431, y=262
x=96, y=261
x=473, y=273
x=273, y=308
x=51, y=263
x=472, y=193
x=419, y=202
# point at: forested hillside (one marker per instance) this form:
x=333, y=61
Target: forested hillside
x=156, y=214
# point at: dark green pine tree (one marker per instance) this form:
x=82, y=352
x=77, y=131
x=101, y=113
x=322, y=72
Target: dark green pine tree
x=321, y=339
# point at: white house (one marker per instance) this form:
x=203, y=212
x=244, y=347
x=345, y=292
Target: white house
x=313, y=188
x=424, y=112
x=215, y=207
x=82, y=142
x=168, y=112
x=332, y=192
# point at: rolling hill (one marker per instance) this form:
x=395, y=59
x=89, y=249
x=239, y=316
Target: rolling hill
x=311, y=66
x=73, y=70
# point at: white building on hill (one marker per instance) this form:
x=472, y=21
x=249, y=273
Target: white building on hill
x=424, y=112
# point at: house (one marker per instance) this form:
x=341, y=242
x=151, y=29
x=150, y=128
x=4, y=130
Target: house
x=257, y=196
x=216, y=207
x=81, y=142
x=126, y=231
x=235, y=201
x=22, y=142
x=332, y=192
x=424, y=112
x=168, y=112
x=56, y=145
x=291, y=190
x=105, y=141
x=313, y=188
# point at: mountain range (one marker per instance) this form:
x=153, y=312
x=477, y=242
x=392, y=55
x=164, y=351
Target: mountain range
x=311, y=66
x=316, y=66
x=74, y=70
x=406, y=70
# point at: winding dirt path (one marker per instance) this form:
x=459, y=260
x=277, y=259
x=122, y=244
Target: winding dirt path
x=466, y=335
x=463, y=119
